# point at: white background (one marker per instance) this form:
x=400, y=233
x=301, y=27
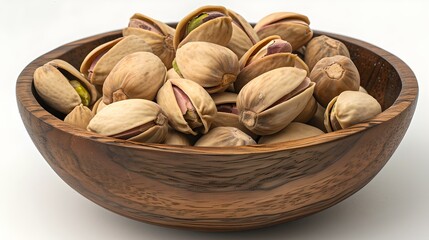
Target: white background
x=36, y=204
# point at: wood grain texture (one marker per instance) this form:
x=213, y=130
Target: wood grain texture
x=224, y=189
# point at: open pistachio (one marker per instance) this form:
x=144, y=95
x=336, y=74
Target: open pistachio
x=323, y=46
x=158, y=35
x=227, y=112
x=62, y=86
x=177, y=138
x=272, y=100
x=210, y=65
x=171, y=73
x=101, y=60
x=188, y=106
x=207, y=24
x=308, y=112
x=80, y=116
x=268, y=54
x=332, y=76
x=243, y=36
x=292, y=27
x=293, y=131
x=131, y=119
x=137, y=75
x=224, y=136
x=349, y=108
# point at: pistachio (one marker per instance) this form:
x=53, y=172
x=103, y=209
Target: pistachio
x=256, y=61
x=293, y=131
x=349, y=108
x=212, y=66
x=98, y=105
x=131, y=119
x=309, y=110
x=62, y=86
x=177, y=138
x=207, y=24
x=188, y=106
x=80, y=116
x=272, y=100
x=318, y=118
x=137, y=75
x=224, y=136
x=332, y=76
x=243, y=36
x=158, y=35
x=323, y=46
x=362, y=89
x=292, y=27
x=101, y=60
x=171, y=73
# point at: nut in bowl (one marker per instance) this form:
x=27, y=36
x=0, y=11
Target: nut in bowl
x=225, y=188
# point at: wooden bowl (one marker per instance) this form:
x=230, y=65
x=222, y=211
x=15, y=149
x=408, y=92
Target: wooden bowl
x=224, y=189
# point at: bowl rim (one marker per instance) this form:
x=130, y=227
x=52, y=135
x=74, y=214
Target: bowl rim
x=408, y=94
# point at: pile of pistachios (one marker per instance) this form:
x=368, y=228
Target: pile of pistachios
x=214, y=80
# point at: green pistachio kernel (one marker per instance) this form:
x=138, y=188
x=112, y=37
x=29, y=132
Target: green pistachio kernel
x=81, y=90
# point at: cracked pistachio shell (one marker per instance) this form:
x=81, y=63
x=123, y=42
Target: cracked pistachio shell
x=160, y=41
x=250, y=69
x=137, y=120
x=201, y=101
x=98, y=105
x=272, y=100
x=52, y=83
x=293, y=131
x=292, y=27
x=318, y=119
x=243, y=36
x=349, y=108
x=321, y=47
x=308, y=112
x=171, y=73
x=79, y=117
x=217, y=30
x=224, y=137
x=334, y=75
x=210, y=65
x=177, y=138
x=101, y=60
x=137, y=75
x=228, y=119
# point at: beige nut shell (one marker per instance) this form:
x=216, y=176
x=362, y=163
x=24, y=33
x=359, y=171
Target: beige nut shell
x=200, y=99
x=177, y=138
x=161, y=44
x=292, y=27
x=113, y=51
x=124, y=115
x=218, y=30
x=293, y=131
x=255, y=100
x=54, y=88
x=79, y=117
x=137, y=75
x=243, y=36
x=334, y=75
x=308, y=112
x=323, y=46
x=224, y=137
x=349, y=108
x=212, y=66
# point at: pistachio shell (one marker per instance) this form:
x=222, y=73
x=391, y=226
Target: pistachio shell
x=202, y=103
x=51, y=82
x=218, y=30
x=332, y=76
x=349, y=108
x=177, y=138
x=210, y=65
x=224, y=136
x=292, y=27
x=257, y=67
x=362, y=89
x=171, y=73
x=271, y=101
x=98, y=105
x=160, y=42
x=308, y=112
x=318, y=119
x=137, y=75
x=79, y=117
x=228, y=119
x=323, y=46
x=243, y=36
x=132, y=119
x=293, y=131
x=101, y=60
